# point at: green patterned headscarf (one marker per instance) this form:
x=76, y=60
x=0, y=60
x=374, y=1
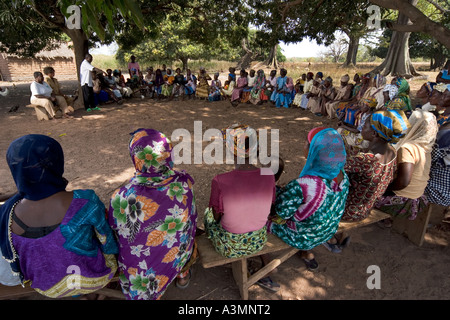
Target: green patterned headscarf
x=403, y=92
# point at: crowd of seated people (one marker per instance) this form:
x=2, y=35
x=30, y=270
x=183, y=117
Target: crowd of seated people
x=386, y=154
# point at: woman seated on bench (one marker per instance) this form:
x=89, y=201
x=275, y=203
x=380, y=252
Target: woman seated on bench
x=404, y=197
x=42, y=95
x=154, y=216
x=309, y=209
x=371, y=172
x=241, y=199
x=59, y=240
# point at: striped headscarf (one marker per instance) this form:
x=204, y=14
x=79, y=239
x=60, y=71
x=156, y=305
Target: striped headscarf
x=390, y=125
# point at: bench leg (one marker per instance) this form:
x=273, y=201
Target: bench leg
x=41, y=114
x=240, y=276
x=415, y=229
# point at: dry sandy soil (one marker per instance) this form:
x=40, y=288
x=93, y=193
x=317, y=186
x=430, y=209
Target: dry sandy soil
x=96, y=157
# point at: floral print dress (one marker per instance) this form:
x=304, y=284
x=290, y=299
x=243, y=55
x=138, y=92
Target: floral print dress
x=154, y=216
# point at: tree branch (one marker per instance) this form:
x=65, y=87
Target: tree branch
x=46, y=18
x=438, y=6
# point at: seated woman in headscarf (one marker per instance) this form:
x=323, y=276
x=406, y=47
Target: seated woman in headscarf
x=351, y=133
x=401, y=101
x=240, y=200
x=404, y=197
x=228, y=87
x=215, y=88
x=154, y=217
x=343, y=92
x=241, y=83
x=358, y=111
x=167, y=87
x=306, y=89
x=327, y=94
x=371, y=172
x=351, y=105
x=314, y=98
x=283, y=90
x=311, y=206
x=58, y=240
x=202, y=90
x=257, y=93
x=251, y=77
x=191, y=84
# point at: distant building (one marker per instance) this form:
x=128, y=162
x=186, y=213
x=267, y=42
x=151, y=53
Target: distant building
x=62, y=59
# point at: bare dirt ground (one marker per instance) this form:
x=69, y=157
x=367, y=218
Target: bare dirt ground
x=96, y=157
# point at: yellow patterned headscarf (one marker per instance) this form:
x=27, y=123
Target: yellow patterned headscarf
x=235, y=137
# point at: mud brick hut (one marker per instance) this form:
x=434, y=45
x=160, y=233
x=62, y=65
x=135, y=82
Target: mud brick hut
x=15, y=68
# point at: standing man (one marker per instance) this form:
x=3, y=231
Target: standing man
x=133, y=66
x=86, y=70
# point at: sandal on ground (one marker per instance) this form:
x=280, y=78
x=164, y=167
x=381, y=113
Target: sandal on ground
x=183, y=286
x=269, y=284
x=311, y=265
x=332, y=247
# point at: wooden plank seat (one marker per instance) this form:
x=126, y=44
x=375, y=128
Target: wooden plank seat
x=41, y=114
x=14, y=292
x=210, y=258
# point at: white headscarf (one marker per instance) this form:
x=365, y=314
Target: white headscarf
x=423, y=130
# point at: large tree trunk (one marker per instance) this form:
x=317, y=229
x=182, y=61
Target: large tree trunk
x=247, y=58
x=184, y=61
x=81, y=48
x=438, y=61
x=272, y=58
x=397, y=61
x=352, y=51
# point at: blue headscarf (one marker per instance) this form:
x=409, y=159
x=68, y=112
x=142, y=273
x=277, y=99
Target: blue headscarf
x=37, y=165
x=326, y=156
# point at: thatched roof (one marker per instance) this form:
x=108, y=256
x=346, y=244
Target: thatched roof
x=61, y=50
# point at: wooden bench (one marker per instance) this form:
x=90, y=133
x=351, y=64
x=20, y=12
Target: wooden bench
x=209, y=257
x=41, y=114
x=14, y=292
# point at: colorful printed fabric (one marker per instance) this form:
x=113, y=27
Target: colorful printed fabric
x=233, y=245
x=369, y=180
x=398, y=206
x=202, y=90
x=443, y=119
x=438, y=187
x=54, y=261
x=313, y=204
x=352, y=140
x=391, y=125
x=258, y=87
x=311, y=208
x=154, y=216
